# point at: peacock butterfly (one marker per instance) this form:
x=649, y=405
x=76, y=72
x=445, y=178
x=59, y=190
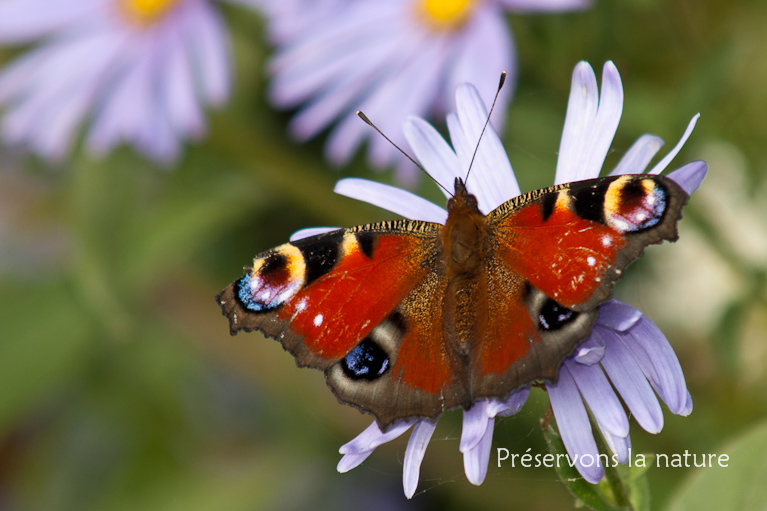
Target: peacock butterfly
x=410, y=318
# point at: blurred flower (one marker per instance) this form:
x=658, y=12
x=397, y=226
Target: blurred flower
x=390, y=59
x=140, y=70
x=624, y=344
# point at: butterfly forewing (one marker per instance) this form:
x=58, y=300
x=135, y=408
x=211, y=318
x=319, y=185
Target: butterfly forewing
x=573, y=241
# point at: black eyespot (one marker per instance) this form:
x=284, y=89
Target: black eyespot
x=365, y=362
x=554, y=316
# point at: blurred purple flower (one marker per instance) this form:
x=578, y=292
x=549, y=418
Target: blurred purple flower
x=139, y=70
x=390, y=59
x=624, y=345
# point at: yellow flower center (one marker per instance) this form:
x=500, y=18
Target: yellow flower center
x=147, y=11
x=446, y=13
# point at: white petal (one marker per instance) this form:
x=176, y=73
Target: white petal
x=372, y=437
x=472, y=63
x=475, y=421
x=657, y=169
x=416, y=448
x=310, y=231
x=177, y=82
x=690, y=176
x=580, y=116
x=350, y=461
x=207, y=36
x=491, y=178
x=391, y=198
x=25, y=20
x=606, y=123
x=433, y=152
x=639, y=155
x=545, y=5
x=475, y=460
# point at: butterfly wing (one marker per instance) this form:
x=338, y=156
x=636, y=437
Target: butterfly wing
x=552, y=257
x=363, y=304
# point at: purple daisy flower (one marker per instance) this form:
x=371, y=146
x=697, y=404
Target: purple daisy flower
x=140, y=70
x=625, y=349
x=391, y=59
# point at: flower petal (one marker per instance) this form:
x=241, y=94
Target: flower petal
x=372, y=437
x=545, y=5
x=661, y=166
x=512, y=405
x=472, y=63
x=606, y=123
x=391, y=198
x=433, y=152
x=207, y=35
x=581, y=114
x=590, y=351
x=639, y=155
x=628, y=379
x=475, y=421
x=311, y=231
x=599, y=395
x=403, y=94
x=475, y=460
x=491, y=178
x=619, y=445
x=658, y=362
x=589, y=127
x=22, y=21
x=350, y=461
x=690, y=176
x=416, y=448
x=618, y=316
x=687, y=409
x=574, y=425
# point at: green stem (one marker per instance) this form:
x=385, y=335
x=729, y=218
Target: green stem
x=612, y=476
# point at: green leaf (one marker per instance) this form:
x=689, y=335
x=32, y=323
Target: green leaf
x=735, y=487
x=586, y=493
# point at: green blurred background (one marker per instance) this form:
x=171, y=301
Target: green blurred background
x=120, y=387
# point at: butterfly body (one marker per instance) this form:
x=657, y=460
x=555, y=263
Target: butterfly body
x=411, y=318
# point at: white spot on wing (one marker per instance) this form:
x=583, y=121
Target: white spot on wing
x=591, y=261
x=318, y=320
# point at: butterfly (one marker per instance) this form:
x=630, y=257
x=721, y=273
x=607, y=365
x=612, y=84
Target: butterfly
x=410, y=318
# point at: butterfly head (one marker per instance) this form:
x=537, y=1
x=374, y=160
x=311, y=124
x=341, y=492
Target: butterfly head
x=462, y=199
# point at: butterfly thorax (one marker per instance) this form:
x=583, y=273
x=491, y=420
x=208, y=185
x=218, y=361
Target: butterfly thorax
x=462, y=234
x=462, y=242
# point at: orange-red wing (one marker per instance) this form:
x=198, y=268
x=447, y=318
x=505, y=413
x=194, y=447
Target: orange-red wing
x=320, y=296
x=365, y=305
x=551, y=257
x=573, y=241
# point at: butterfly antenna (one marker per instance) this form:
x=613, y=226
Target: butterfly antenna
x=500, y=86
x=370, y=123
